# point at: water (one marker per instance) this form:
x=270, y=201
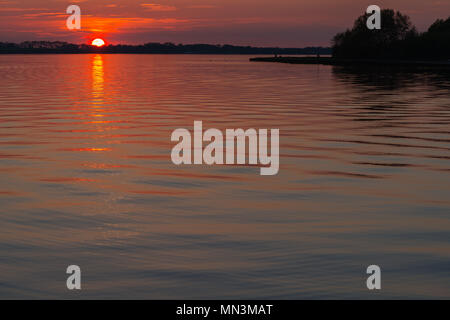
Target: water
x=87, y=179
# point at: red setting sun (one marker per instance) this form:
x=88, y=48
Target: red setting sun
x=98, y=42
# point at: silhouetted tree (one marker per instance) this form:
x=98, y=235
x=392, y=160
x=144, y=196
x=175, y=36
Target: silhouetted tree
x=361, y=42
x=435, y=43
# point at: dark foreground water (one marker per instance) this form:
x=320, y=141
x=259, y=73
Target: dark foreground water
x=86, y=178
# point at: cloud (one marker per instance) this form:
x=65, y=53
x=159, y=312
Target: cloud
x=157, y=7
x=112, y=24
x=202, y=6
x=12, y=9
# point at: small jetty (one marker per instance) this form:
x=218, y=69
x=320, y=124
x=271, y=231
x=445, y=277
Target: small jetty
x=352, y=62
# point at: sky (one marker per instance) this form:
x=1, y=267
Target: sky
x=284, y=23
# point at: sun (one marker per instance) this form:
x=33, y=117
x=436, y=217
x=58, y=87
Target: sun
x=98, y=42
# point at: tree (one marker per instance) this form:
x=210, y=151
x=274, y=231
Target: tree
x=360, y=42
x=435, y=43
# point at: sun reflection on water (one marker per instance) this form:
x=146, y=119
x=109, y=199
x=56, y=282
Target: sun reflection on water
x=97, y=78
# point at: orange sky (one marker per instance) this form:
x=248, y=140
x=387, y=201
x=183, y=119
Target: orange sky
x=292, y=23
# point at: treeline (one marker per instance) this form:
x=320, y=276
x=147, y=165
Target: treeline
x=166, y=48
x=398, y=38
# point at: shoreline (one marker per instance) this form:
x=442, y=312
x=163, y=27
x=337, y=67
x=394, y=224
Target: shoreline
x=352, y=62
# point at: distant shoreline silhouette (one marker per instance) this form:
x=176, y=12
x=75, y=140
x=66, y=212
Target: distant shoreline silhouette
x=30, y=47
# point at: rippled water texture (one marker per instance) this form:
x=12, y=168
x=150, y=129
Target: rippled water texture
x=87, y=179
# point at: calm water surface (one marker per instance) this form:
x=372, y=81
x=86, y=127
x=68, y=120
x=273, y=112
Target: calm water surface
x=87, y=179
